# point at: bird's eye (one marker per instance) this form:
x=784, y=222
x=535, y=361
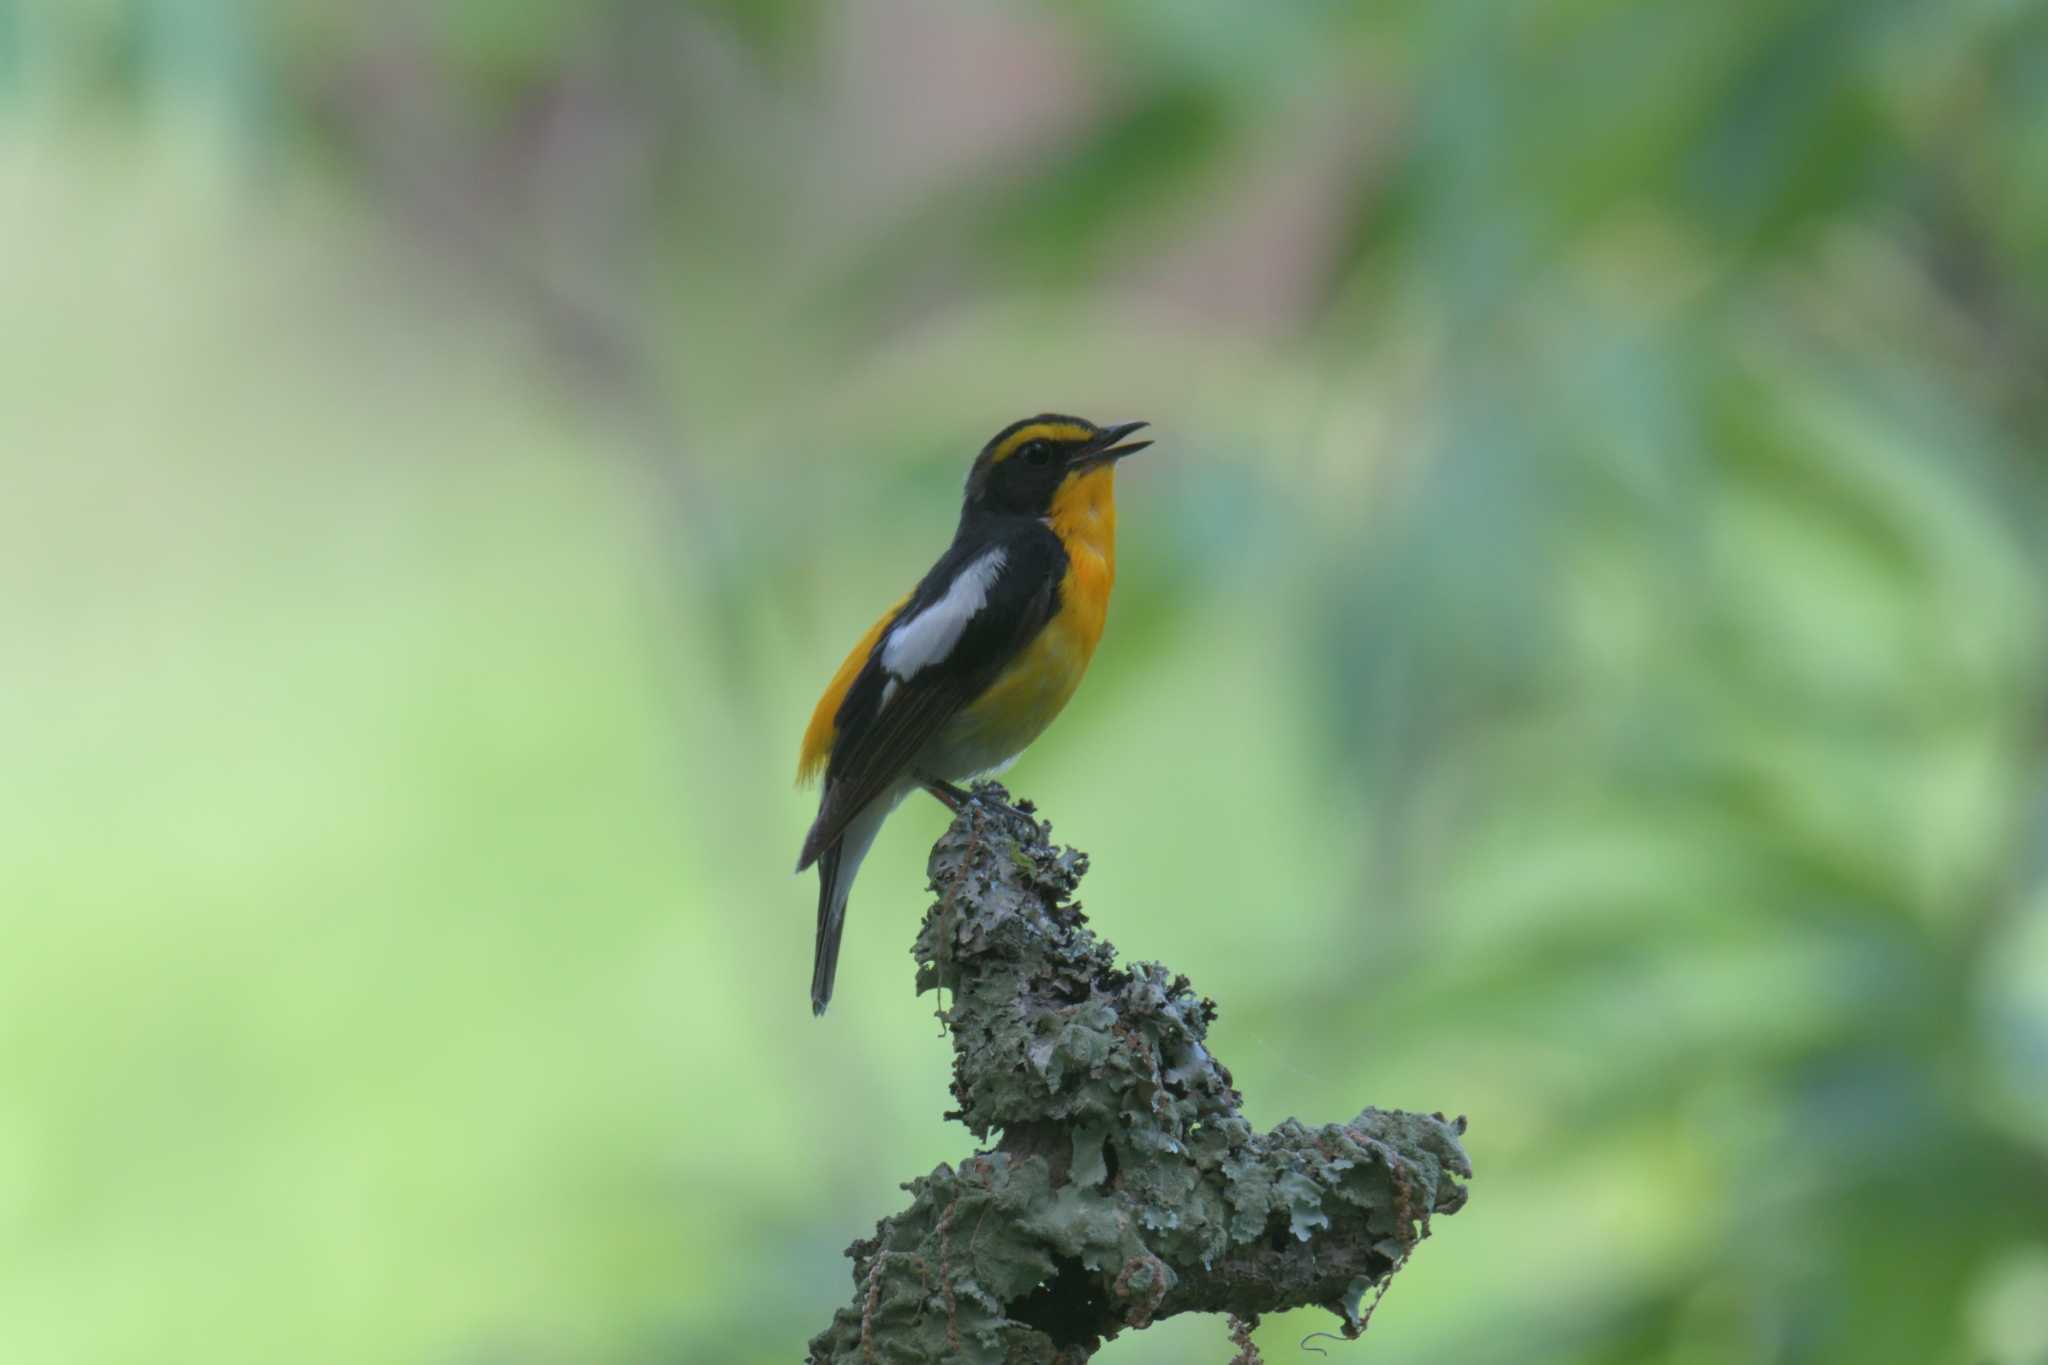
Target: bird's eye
x=1037, y=452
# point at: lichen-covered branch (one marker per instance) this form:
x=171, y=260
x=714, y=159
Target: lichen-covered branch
x=1124, y=1186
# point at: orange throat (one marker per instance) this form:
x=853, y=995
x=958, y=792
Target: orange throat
x=1083, y=516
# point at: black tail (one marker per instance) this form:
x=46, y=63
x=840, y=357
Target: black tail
x=831, y=921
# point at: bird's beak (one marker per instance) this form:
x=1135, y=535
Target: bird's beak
x=1108, y=446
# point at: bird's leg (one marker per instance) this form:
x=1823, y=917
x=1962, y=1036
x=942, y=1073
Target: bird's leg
x=950, y=796
x=956, y=799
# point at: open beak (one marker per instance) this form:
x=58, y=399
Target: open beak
x=1109, y=445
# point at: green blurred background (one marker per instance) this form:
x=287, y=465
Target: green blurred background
x=1578, y=661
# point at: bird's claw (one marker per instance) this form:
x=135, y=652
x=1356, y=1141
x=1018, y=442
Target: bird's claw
x=1018, y=813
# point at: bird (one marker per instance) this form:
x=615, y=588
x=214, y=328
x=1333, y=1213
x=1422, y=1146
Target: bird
x=969, y=667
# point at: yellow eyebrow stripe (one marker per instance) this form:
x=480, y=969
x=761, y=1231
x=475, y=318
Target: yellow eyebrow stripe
x=1038, y=431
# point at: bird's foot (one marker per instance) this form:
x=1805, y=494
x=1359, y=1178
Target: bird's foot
x=986, y=796
x=949, y=796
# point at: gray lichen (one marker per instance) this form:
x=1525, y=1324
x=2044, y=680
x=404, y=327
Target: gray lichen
x=1125, y=1186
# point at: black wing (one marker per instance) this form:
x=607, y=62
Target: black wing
x=887, y=717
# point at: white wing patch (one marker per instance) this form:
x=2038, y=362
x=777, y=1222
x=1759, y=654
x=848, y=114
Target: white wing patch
x=928, y=637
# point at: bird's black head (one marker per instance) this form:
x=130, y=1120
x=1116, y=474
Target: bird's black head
x=1021, y=470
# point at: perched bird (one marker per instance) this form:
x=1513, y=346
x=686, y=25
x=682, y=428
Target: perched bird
x=970, y=667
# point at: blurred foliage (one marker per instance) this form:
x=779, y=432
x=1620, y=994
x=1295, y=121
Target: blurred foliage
x=1582, y=629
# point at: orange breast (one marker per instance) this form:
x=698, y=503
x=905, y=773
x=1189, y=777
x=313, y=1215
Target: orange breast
x=1026, y=696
